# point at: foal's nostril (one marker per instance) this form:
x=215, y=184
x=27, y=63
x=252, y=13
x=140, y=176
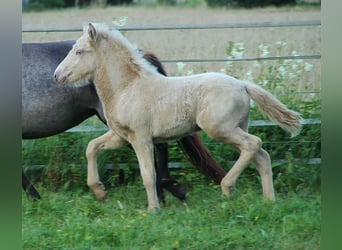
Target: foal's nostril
x=55, y=77
x=58, y=78
x=61, y=78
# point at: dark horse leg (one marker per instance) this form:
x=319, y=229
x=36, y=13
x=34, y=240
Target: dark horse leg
x=164, y=179
x=198, y=154
x=28, y=187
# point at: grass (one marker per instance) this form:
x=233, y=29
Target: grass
x=75, y=220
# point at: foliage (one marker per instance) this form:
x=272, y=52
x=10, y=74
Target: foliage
x=44, y=4
x=39, y=5
x=71, y=3
x=119, y=2
x=75, y=220
x=248, y=3
x=166, y=2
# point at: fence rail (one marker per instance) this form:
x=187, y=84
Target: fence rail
x=255, y=123
x=194, y=26
x=315, y=57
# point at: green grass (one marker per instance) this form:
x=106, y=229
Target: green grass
x=75, y=220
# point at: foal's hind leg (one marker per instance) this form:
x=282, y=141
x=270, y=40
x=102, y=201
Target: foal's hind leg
x=105, y=141
x=248, y=145
x=263, y=164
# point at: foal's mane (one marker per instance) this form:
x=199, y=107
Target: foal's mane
x=129, y=52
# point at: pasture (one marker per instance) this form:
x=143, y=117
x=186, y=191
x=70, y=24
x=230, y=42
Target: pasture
x=74, y=220
x=69, y=217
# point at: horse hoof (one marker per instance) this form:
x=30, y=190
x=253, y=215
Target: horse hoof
x=105, y=198
x=154, y=210
x=34, y=196
x=227, y=191
x=174, y=188
x=101, y=195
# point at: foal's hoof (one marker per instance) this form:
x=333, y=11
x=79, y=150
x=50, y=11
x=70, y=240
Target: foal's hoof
x=105, y=198
x=227, y=191
x=174, y=188
x=99, y=192
x=154, y=210
x=102, y=196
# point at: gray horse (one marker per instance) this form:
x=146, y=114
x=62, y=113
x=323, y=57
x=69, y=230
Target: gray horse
x=49, y=109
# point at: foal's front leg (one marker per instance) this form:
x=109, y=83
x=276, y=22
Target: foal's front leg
x=106, y=141
x=144, y=151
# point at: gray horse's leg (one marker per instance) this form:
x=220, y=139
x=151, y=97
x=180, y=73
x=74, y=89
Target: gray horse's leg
x=28, y=187
x=109, y=140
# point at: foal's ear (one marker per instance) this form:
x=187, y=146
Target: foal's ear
x=92, y=32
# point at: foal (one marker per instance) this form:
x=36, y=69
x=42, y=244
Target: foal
x=142, y=107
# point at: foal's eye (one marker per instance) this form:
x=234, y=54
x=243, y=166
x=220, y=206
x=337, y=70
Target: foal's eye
x=79, y=51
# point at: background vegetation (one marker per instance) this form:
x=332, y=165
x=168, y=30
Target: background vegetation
x=29, y=5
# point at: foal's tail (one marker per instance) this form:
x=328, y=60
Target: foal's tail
x=274, y=109
x=201, y=158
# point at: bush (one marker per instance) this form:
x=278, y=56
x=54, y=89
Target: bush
x=44, y=4
x=81, y=3
x=38, y=5
x=248, y=3
x=119, y=2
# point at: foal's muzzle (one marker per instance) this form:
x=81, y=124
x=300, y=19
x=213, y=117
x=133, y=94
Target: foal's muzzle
x=59, y=77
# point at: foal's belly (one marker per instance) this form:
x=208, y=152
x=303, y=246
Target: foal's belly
x=167, y=133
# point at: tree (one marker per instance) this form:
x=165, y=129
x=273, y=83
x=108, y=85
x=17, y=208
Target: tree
x=99, y=3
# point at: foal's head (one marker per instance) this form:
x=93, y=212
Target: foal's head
x=87, y=55
x=80, y=63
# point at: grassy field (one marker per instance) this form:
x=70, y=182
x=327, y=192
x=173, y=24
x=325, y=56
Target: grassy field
x=72, y=219
x=75, y=220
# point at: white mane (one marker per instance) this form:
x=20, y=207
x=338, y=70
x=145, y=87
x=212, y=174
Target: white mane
x=115, y=36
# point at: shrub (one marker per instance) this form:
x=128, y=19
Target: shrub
x=248, y=3
x=44, y=4
x=119, y=2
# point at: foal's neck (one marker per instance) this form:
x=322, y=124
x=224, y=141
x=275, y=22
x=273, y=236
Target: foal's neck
x=114, y=73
